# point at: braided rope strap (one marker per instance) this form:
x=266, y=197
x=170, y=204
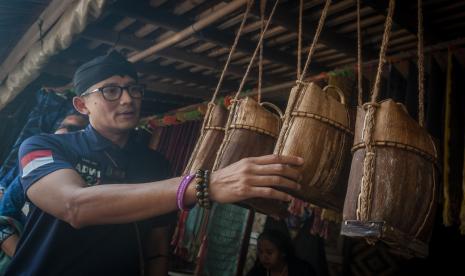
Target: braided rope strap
x=359, y=58
x=301, y=85
x=365, y=196
x=421, y=68
x=234, y=102
x=211, y=105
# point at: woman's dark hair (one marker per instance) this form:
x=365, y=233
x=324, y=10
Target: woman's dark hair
x=282, y=241
x=74, y=126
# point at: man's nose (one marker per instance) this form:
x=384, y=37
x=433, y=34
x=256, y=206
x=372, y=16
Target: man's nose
x=125, y=97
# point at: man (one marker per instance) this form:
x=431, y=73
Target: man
x=12, y=203
x=77, y=225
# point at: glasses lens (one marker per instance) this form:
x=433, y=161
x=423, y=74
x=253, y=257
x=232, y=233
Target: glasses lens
x=136, y=91
x=111, y=93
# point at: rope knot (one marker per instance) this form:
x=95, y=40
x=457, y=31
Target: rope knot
x=297, y=82
x=366, y=106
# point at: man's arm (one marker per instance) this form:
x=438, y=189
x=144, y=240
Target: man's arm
x=63, y=193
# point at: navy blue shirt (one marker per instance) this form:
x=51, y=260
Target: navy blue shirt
x=50, y=246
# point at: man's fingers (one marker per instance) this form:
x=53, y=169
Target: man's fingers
x=278, y=169
x=278, y=159
x=266, y=192
x=273, y=181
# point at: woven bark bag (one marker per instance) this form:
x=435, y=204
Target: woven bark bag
x=392, y=195
x=401, y=201
x=252, y=132
x=319, y=130
x=209, y=141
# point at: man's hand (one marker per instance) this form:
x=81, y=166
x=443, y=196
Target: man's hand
x=256, y=177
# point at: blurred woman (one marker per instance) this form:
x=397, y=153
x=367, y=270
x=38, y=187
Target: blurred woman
x=276, y=257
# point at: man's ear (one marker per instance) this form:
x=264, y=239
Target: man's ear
x=80, y=105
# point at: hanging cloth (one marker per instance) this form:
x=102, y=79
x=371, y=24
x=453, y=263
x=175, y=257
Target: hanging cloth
x=454, y=132
x=446, y=215
x=48, y=112
x=203, y=156
x=251, y=130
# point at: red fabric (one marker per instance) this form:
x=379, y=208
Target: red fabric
x=33, y=155
x=177, y=143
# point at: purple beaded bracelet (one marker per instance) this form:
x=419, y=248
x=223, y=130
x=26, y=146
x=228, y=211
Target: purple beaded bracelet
x=182, y=190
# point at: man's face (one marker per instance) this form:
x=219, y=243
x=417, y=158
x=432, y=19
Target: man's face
x=116, y=116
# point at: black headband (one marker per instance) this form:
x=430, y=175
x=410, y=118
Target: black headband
x=101, y=68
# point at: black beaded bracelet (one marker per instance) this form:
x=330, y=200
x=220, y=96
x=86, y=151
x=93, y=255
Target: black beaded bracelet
x=202, y=178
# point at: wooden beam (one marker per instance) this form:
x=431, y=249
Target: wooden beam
x=406, y=19
x=82, y=55
x=46, y=20
x=180, y=90
x=185, y=75
x=62, y=69
x=165, y=19
x=132, y=42
x=202, y=7
x=329, y=36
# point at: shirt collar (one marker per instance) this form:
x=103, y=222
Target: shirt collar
x=96, y=140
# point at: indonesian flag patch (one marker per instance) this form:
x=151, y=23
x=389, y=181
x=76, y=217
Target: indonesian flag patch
x=35, y=159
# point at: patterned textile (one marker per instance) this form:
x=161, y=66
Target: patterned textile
x=226, y=237
x=366, y=260
x=13, y=117
x=13, y=201
x=176, y=143
x=14, y=226
x=44, y=117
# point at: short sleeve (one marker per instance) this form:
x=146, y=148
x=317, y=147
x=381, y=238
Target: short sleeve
x=39, y=156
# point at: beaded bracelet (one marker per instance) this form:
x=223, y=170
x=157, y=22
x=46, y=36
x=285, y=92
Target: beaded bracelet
x=202, y=178
x=182, y=190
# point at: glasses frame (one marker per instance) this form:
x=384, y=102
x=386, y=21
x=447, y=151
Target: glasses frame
x=100, y=89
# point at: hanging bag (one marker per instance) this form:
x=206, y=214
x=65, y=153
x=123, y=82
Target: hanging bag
x=251, y=131
x=317, y=127
x=392, y=185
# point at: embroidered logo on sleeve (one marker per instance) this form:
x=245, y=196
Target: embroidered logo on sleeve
x=34, y=160
x=89, y=171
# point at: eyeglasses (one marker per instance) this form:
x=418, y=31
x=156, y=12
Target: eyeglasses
x=114, y=92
